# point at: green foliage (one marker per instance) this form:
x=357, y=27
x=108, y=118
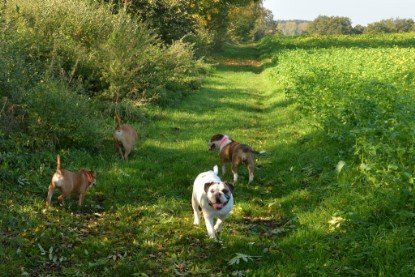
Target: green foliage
x=292, y=27
x=208, y=24
x=361, y=97
x=66, y=65
x=330, y=25
x=172, y=20
x=113, y=56
x=59, y=118
x=302, y=215
x=250, y=23
x=391, y=26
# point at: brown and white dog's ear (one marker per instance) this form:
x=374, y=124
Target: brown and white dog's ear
x=211, y=145
x=230, y=185
x=214, y=140
x=217, y=137
x=207, y=186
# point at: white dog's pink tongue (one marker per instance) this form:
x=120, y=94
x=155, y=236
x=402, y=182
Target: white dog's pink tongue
x=217, y=205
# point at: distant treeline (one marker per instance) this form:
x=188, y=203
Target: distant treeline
x=338, y=25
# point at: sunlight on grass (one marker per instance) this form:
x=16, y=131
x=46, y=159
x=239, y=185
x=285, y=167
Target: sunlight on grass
x=301, y=216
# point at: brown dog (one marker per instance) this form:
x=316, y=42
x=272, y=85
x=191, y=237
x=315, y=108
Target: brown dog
x=235, y=153
x=125, y=137
x=70, y=183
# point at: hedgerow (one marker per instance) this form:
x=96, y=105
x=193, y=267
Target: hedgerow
x=113, y=55
x=66, y=65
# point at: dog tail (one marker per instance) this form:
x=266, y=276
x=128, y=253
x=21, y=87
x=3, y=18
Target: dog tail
x=58, y=161
x=216, y=169
x=117, y=118
x=258, y=152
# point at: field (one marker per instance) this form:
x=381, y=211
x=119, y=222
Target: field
x=333, y=195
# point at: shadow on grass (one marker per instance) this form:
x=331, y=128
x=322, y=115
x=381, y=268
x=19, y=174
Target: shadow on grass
x=241, y=58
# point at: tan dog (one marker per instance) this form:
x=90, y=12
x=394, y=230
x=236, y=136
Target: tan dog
x=70, y=183
x=125, y=137
x=235, y=153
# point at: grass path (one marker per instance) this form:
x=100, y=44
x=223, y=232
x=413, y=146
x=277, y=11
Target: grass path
x=240, y=100
x=286, y=222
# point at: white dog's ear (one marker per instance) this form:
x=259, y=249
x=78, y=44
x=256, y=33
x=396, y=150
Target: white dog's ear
x=207, y=186
x=230, y=185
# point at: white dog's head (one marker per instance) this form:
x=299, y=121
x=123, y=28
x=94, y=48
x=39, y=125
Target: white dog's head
x=218, y=194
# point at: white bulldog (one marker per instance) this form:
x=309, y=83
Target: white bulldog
x=214, y=198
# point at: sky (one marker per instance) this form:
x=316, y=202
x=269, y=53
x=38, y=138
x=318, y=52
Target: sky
x=360, y=12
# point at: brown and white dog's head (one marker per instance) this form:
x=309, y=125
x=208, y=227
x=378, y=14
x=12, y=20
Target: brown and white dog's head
x=219, y=194
x=218, y=141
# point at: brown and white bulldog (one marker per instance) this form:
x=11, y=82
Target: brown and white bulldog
x=235, y=153
x=70, y=183
x=214, y=198
x=125, y=137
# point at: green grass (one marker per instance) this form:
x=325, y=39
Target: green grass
x=298, y=217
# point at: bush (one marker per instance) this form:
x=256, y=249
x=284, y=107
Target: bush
x=59, y=117
x=113, y=55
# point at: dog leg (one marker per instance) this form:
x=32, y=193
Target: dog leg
x=209, y=227
x=62, y=196
x=223, y=169
x=81, y=198
x=235, y=172
x=251, y=173
x=118, y=148
x=218, y=225
x=60, y=199
x=51, y=189
x=127, y=152
x=196, y=212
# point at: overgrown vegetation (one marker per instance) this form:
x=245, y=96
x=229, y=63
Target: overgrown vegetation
x=333, y=196
x=361, y=97
x=360, y=90
x=66, y=65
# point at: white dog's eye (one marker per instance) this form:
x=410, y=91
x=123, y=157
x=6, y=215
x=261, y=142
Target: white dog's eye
x=212, y=191
x=225, y=191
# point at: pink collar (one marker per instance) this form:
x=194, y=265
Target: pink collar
x=225, y=141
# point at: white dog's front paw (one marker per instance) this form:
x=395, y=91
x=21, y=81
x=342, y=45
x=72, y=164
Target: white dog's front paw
x=213, y=236
x=218, y=226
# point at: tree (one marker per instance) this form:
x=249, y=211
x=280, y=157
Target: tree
x=250, y=22
x=391, y=26
x=174, y=19
x=358, y=29
x=334, y=25
x=292, y=27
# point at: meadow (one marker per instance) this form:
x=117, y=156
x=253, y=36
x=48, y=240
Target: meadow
x=333, y=195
